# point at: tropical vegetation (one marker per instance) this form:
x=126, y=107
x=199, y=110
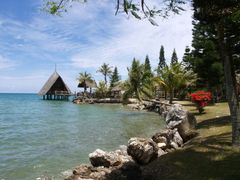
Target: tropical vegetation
x=83, y=79
x=138, y=83
x=216, y=49
x=114, y=77
x=174, y=78
x=106, y=71
x=102, y=90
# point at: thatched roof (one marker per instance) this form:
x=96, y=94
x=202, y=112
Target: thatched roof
x=117, y=87
x=54, y=83
x=88, y=84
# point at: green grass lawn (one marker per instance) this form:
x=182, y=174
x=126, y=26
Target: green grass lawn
x=208, y=156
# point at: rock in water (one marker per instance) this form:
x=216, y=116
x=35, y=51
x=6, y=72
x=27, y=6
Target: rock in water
x=102, y=158
x=142, y=150
x=184, y=121
x=86, y=172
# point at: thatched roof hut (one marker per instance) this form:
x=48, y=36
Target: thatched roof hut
x=117, y=88
x=55, y=88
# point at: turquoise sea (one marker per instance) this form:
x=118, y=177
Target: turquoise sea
x=45, y=138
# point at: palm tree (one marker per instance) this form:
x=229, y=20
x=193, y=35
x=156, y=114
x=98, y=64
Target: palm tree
x=173, y=77
x=136, y=85
x=106, y=70
x=84, y=79
x=101, y=90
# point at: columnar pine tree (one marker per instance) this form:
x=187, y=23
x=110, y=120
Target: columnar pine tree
x=205, y=59
x=134, y=82
x=187, y=59
x=147, y=71
x=162, y=60
x=174, y=58
x=114, y=78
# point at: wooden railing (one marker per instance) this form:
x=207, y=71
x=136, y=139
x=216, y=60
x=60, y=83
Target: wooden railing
x=61, y=93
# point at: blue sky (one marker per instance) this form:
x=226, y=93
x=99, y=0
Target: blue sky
x=31, y=42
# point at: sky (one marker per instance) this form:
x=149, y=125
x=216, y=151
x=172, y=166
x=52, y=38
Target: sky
x=89, y=34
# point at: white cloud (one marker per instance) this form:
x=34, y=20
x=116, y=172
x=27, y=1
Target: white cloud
x=132, y=38
x=5, y=63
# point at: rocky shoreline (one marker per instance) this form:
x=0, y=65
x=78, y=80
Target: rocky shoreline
x=85, y=100
x=128, y=162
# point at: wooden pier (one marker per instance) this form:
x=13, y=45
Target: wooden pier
x=58, y=95
x=55, y=89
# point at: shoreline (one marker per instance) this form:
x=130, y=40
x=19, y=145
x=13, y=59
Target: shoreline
x=104, y=164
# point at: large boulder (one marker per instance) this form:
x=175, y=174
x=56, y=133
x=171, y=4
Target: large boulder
x=177, y=138
x=137, y=106
x=142, y=150
x=107, y=159
x=102, y=158
x=175, y=115
x=86, y=172
x=164, y=136
x=181, y=119
x=163, y=110
x=132, y=101
x=168, y=138
x=122, y=154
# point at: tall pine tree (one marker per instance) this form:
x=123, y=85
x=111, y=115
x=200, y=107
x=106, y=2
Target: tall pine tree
x=115, y=77
x=147, y=70
x=221, y=14
x=187, y=59
x=205, y=59
x=162, y=60
x=174, y=58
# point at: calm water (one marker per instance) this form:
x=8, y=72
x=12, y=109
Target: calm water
x=45, y=138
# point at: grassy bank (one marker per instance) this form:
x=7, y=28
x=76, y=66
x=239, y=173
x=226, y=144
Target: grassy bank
x=208, y=156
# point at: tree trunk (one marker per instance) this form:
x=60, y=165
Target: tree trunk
x=165, y=94
x=230, y=85
x=105, y=79
x=171, y=93
x=138, y=95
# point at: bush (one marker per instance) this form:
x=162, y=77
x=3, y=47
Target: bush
x=201, y=99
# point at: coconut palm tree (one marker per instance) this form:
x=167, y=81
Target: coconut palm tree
x=106, y=70
x=136, y=85
x=84, y=79
x=173, y=77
